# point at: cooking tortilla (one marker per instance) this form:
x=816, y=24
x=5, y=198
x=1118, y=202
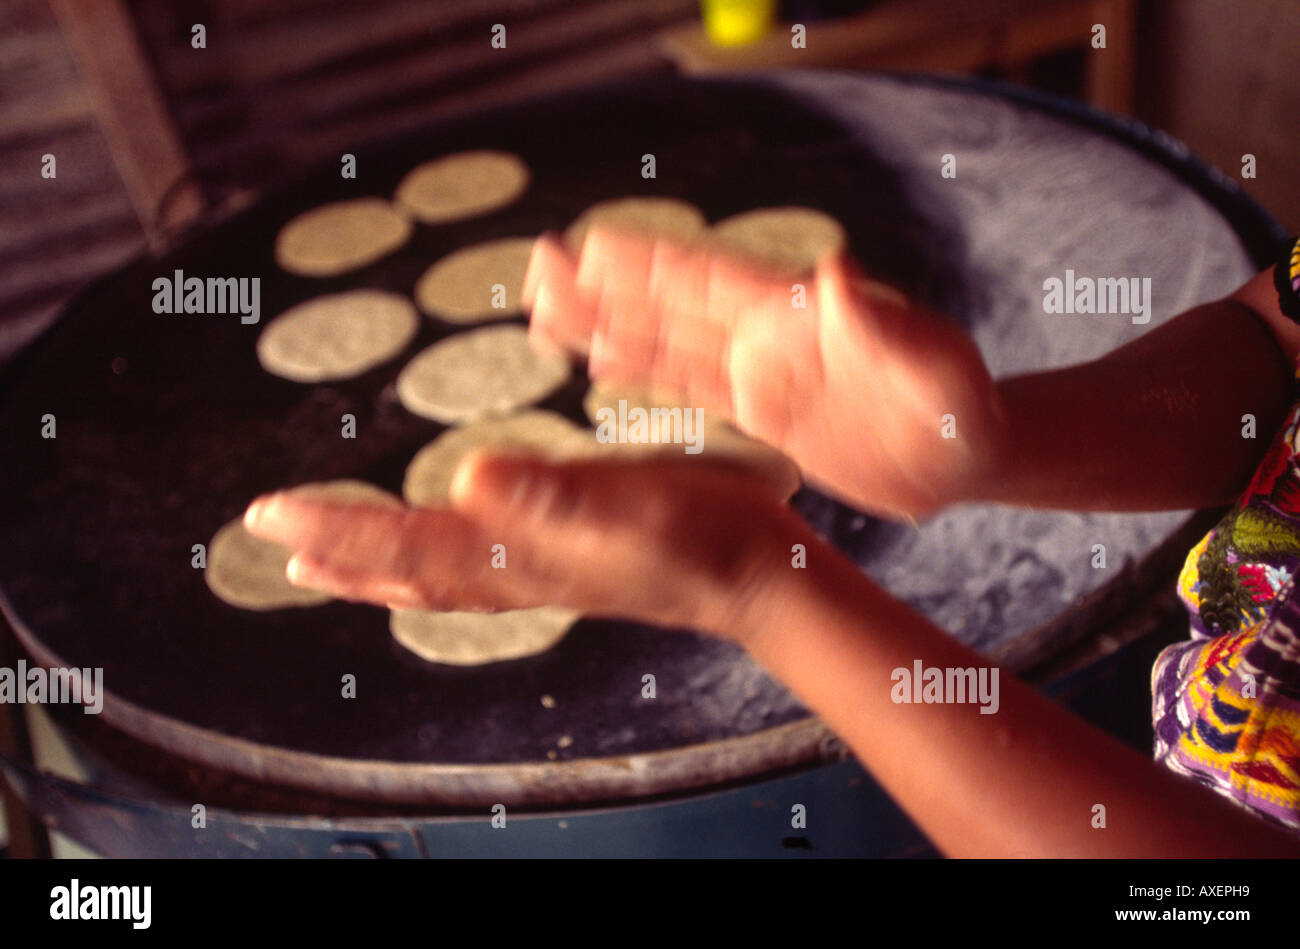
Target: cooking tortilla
x=786, y=238
x=463, y=185
x=489, y=371
x=472, y=639
x=335, y=238
x=337, y=336
x=428, y=476
x=459, y=288
x=667, y=217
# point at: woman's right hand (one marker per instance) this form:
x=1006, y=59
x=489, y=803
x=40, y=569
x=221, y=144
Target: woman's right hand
x=878, y=401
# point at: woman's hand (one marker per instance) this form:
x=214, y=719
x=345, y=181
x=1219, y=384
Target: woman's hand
x=675, y=544
x=884, y=404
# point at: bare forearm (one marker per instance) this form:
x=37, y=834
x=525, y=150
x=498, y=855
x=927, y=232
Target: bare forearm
x=1155, y=425
x=1023, y=781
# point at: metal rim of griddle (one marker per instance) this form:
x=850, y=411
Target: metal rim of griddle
x=579, y=780
x=692, y=767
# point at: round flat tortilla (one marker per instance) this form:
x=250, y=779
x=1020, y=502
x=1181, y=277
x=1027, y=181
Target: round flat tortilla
x=335, y=238
x=462, y=185
x=718, y=440
x=463, y=286
x=248, y=572
x=472, y=639
x=488, y=371
x=788, y=238
x=428, y=476
x=337, y=336
x=666, y=217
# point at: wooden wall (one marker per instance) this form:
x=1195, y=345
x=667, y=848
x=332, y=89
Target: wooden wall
x=1224, y=76
x=58, y=231
x=286, y=82
x=280, y=84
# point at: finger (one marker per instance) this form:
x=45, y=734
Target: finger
x=596, y=530
x=872, y=316
x=614, y=263
x=541, y=260
x=613, y=275
x=410, y=550
x=558, y=312
x=599, y=505
x=846, y=322
x=666, y=312
x=350, y=584
x=309, y=522
x=764, y=384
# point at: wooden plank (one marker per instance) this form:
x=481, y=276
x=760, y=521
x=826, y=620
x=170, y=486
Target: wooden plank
x=265, y=143
x=882, y=35
x=61, y=271
x=571, y=72
x=1038, y=33
x=313, y=42
x=432, y=73
x=134, y=118
x=107, y=214
x=85, y=168
x=44, y=113
x=30, y=46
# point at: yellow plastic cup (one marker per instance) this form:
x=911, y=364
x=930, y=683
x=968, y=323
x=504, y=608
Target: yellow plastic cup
x=737, y=22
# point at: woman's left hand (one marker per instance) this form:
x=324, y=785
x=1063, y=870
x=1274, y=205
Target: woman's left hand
x=672, y=543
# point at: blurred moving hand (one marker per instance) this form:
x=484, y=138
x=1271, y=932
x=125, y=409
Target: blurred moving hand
x=657, y=542
x=856, y=384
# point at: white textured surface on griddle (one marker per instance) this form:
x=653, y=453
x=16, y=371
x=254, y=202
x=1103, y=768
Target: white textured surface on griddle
x=986, y=573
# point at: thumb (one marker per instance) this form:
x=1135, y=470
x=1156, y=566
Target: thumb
x=493, y=487
x=601, y=505
x=845, y=316
x=673, y=544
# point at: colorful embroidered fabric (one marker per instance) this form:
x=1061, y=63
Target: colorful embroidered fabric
x=1226, y=703
x=1286, y=280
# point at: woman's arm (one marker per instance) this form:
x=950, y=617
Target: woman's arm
x=1021, y=782
x=687, y=545
x=1156, y=424
x=854, y=386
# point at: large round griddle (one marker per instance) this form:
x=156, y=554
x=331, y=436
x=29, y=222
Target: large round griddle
x=167, y=427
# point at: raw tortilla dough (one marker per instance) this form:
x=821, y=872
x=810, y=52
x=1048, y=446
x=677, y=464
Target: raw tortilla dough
x=335, y=238
x=462, y=185
x=428, y=476
x=471, y=639
x=483, y=372
x=789, y=238
x=666, y=217
x=248, y=572
x=459, y=287
x=337, y=336
x=719, y=440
